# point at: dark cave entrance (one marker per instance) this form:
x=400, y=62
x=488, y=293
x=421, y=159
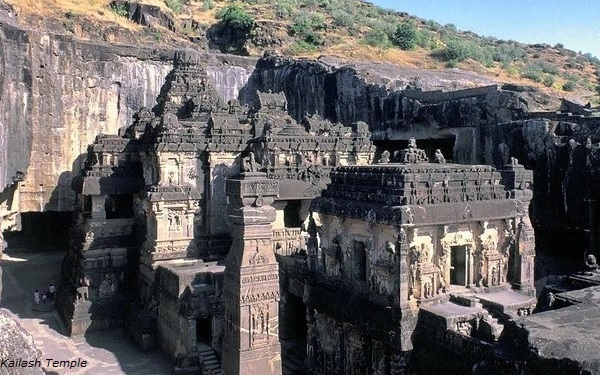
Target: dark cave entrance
x=119, y=206
x=560, y=251
x=41, y=231
x=291, y=214
x=204, y=330
x=293, y=333
x=446, y=145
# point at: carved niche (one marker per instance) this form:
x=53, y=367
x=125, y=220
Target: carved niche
x=259, y=324
x=452, y=239
x=493, y=269
x=424, y=275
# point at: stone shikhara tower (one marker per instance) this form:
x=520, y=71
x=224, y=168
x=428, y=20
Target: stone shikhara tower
x=251, y=287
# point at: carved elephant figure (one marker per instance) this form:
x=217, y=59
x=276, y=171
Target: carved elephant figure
x=82, y=294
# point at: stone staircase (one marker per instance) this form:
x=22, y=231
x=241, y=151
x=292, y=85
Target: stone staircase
x=209, y=360
x=293, y=355
x=496, y=326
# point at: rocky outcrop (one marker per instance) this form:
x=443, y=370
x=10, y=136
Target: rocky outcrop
x=16, y=344
x=387, y=97
x=58, y=93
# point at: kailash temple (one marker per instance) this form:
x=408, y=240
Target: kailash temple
x=325, y=226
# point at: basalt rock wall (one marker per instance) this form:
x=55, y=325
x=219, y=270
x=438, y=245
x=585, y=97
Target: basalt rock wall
x=397, y=103
x=58, y=93
x=383, y=96
x=565, y=159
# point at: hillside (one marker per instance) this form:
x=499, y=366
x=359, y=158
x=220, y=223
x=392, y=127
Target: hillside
x=347, y=29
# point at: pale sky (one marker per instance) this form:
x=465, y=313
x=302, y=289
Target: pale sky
x=574, y=23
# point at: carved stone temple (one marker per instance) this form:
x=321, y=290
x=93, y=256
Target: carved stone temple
x=149, y=250
x=430, y=252
x=241, y=241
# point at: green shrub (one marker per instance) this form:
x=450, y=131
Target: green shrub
x=547, y=67
x=342, y=18
x=533, y=72
x=313, y=39
x=426, y=39
x=284, y=9
x=237, y=18
x=505, y=53
x=569, y=86
x=175, y=5
x=301, y=47
x=377, y=38
x=458, y=50
x=405, y=36
x=548, y=80
x=208, y=5
x=301, y=24
x=317, y=22
x=306, y=25
x=120, y=10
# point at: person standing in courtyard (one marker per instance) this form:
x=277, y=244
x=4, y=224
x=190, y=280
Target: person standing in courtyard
x=36, y=297
x=51, y=291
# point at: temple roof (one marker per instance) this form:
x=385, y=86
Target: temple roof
x=397, y=184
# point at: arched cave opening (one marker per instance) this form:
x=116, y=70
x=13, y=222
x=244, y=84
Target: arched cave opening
x=41, y=231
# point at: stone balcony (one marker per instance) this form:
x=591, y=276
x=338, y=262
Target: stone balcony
x=288, y=241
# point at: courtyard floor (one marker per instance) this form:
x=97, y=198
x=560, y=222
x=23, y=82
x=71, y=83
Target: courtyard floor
x=107, y=352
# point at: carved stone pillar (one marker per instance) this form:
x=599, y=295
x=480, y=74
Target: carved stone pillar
x=405, y=275
x=251, y=286
x=518, y=181
x=98, y=210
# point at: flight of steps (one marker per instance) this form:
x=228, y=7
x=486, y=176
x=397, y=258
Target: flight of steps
x=209, y=360
x=490, y=317
x=293, y=355
x=497, y=327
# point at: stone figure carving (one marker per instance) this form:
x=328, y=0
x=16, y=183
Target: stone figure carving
x=514, y=161
x=385, y=157
x=412, y=154
x=591, y=264
x=82, y=294
x=439, y=157
x=390, y=247
x=174, y=221
x=249, y=163
x=107, y=286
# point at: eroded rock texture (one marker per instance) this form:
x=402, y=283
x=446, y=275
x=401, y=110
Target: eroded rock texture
x=16, y=343
x=57, y=95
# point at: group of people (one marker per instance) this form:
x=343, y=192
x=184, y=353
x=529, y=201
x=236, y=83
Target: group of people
x=44, y=295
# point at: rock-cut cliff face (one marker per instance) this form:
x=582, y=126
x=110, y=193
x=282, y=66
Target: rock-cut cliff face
x=57, y=95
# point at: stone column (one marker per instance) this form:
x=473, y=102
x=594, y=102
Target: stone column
x=518, y=181
x=251, y=286
x=98, y=210
x=404, y=282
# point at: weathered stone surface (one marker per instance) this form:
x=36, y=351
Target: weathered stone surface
x=58, y=93
x=16, y=344
x=251, y=288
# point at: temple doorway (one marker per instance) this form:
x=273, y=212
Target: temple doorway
x=204, y=330
x=360, y=261
x=458, y=265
